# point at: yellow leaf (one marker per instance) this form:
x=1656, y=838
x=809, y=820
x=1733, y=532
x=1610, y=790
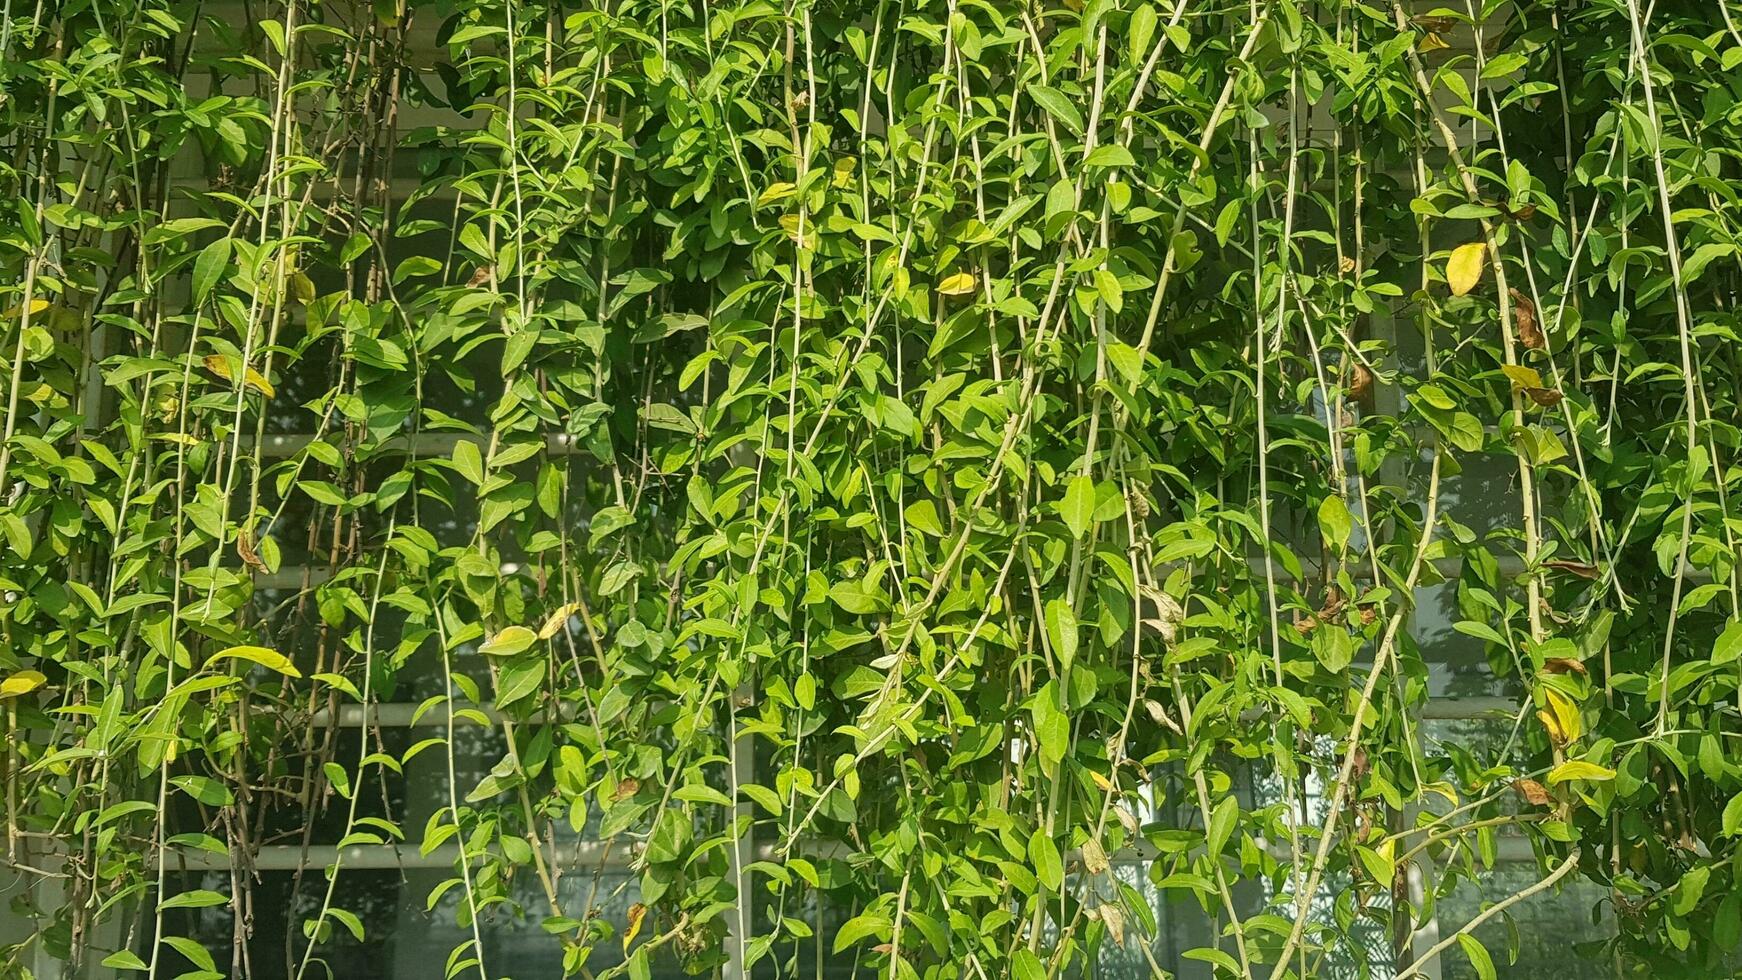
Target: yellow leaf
x=1566, y=714
x=270, y=659
x=1431, y=42
x=637, y=913
x=554, y=624
x=957, y=285
x=1464, y=268
x=1553, y=727
x=22, y=682
x=1523, y=377
x=36, y=306
x=220, y=365
x=1577, y=769
x=1101, y=781
x=844, y=168
x=508, y=642
x=775, y=192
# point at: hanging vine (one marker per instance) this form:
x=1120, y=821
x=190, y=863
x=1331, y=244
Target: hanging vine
x=938, y=488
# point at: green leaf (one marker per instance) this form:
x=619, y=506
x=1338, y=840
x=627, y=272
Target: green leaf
x=1335, y=522
x=855, y=598
x=197, y=899
x=209, y=267
x=125, y=959
x=1078, y=508
x=1729, y=644
x=860, y=927
x=1222, y=821
x=1061, y=630
x=1139, y=31
x=1478, y=954
x=923, y=514
x=1058, y=106
x=1732, y=820
x=469, y=462
x=509, y=642
x=1049, y=867
x=1052, y=727
x=1110, y=155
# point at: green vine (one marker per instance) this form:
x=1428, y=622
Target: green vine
x=929, y=488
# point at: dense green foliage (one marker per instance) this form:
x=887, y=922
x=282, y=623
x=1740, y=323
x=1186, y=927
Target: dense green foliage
x=910, y=454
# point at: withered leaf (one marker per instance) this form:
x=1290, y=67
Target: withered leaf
x=1438, y=25
x=1523, y=212
x=637, y=914
x=1431, y=41
x=1579, y=568
x=625, y=789
x=1533, y=792
x=1524, y=315
x=1563, y=665
x=1360, y=381
x=1546, y=397
x=1127, y=819
x=1114, y=920
x=1094, y=857
x=245, y=550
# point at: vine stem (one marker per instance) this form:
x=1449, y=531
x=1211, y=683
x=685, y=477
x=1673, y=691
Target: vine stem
x=1684, y=331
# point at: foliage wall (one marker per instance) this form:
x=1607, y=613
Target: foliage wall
x=881, y=466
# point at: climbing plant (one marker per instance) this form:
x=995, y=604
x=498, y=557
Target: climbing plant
x=881, y=470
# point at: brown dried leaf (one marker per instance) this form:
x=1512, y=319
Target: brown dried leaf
x=1563, y=665
x=1533, y=792
x=245, y=550
x=1431, y=41
x=625, y=789
x=1523, y=212
x=481, y=276
x=1438, y=25
x=1524, y=315
x=1578, y=568
x=1114, y=920
x=1546, y=397
x=1127, y=819
x=1094, y=856
x=1360, y=382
